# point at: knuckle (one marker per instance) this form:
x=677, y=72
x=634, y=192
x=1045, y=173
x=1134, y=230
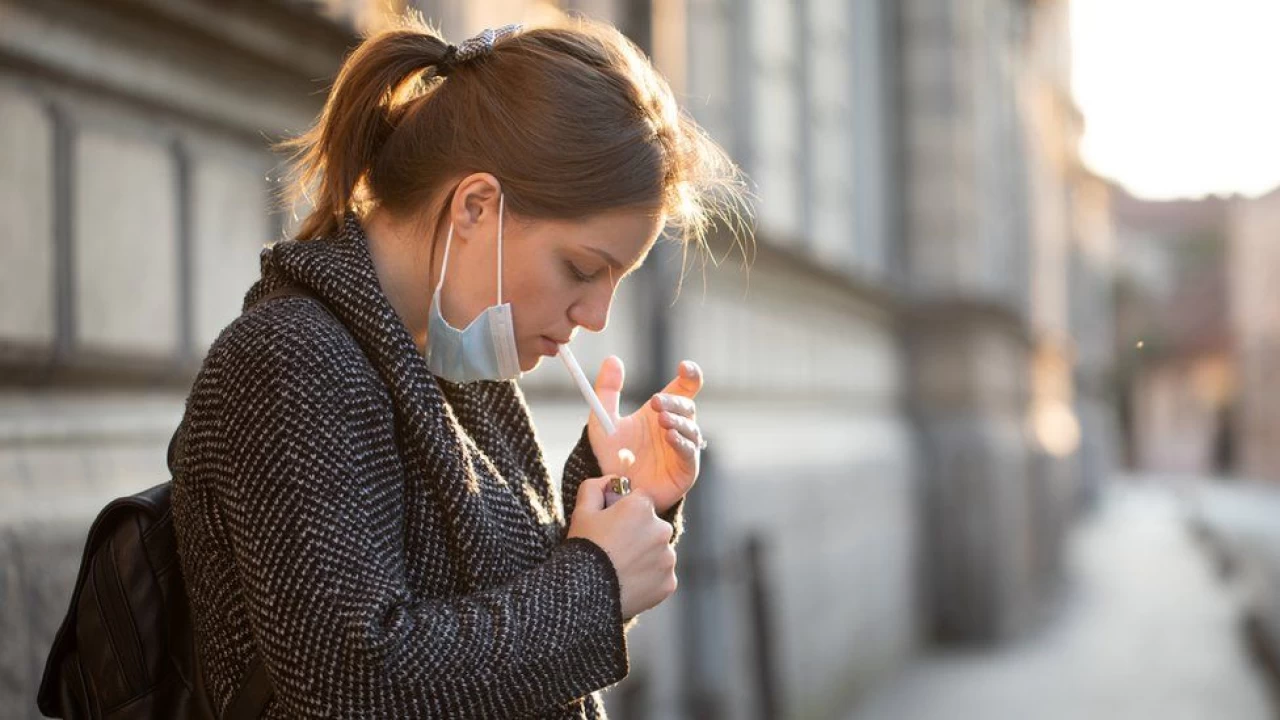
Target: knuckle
x=641, y=514
x=637, y=517
x=670, y=584
x=663, y=530
x=669, y=558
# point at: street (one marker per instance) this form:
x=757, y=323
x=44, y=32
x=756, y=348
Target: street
x=1144, y=630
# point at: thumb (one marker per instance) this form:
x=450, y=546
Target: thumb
x=688, y=380
x=591, y=495
x=609, y=384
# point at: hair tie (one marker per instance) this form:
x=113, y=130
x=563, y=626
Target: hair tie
x=473, y=48
x=446, y=62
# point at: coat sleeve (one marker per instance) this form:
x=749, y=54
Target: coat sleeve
x=582, y=464
x=317, y=545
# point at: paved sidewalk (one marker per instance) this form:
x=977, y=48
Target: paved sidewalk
x=1145, y=631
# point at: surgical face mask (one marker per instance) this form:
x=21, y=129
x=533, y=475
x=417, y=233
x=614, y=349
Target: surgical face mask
x=486, y=349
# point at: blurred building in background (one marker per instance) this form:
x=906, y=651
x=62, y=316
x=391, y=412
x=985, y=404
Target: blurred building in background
x=1197, y=336
x=1197, y=327
x=1253, y=262
x=1174, y=335
x=908, y=389
x=1196, y=333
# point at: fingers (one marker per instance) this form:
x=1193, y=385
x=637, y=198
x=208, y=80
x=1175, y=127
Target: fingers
x=591, y=494
x=667, y=531
x=688, y=380
x=637, y=498
x=643, y=504
x=685, y=426
x=676, y=404
x=609, y=384
x=687, y=448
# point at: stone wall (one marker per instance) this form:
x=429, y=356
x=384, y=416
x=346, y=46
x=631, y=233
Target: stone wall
x=135, y=194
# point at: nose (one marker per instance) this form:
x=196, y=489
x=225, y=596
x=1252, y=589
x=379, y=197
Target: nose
x=592, y=312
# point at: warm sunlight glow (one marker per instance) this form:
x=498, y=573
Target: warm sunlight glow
x=1179, y=96
x=1056, y=427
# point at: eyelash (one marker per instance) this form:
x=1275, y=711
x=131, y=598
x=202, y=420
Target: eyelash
x=578, y=274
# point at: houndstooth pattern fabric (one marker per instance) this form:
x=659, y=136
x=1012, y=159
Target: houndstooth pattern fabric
x=483, y=42
x=390, y=544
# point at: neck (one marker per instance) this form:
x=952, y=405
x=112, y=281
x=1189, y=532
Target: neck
x=408, y=267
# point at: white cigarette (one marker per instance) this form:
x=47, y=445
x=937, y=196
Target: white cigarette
x=588, y=392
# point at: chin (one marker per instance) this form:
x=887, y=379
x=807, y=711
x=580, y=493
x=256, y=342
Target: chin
x=528, y=365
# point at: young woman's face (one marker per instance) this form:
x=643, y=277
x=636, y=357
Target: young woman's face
x=558, y=275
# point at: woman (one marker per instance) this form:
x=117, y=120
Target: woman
x=361, y=502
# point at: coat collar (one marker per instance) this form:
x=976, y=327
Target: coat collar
x=339, y=271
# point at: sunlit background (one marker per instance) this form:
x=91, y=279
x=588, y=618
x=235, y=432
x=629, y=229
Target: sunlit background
x=991, y=418
x=1172, y=94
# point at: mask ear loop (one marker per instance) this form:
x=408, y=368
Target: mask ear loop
x=444, y=264
x=501, y=212
x=448, y=243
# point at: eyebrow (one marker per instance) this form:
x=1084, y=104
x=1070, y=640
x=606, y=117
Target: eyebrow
x=607, y=257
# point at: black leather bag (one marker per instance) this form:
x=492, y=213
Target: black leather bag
x=126, y=649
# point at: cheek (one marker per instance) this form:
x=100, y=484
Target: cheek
x=540, y=305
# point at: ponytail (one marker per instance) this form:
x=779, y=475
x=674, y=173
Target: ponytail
x=331, y=160
x=572, y=119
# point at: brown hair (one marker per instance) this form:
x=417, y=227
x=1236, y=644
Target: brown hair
x=572, y=120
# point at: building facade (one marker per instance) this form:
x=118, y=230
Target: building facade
x=1254, y=268
x=1175, y=335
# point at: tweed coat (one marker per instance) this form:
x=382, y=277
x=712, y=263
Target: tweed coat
x=390, y=544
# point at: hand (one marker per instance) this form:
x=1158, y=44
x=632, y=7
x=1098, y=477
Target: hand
x=636, y=540
x=663, y=434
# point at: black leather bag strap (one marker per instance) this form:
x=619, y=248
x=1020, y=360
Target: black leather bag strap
x=250, y=701
x=288, y=290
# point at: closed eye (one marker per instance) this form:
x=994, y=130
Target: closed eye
x=578, y=274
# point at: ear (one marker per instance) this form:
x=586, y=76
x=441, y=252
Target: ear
x=474, y=208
